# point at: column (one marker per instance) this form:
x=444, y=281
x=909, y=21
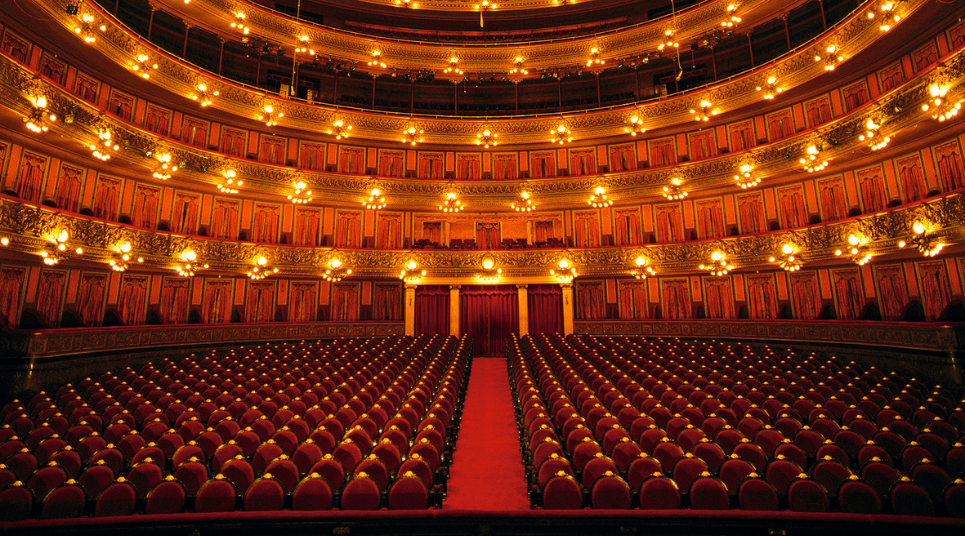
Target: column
x=410, y=310
x=523, y=310
x=454, y=310
x=567, y=308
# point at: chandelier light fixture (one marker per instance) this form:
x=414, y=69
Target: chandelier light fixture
x=407, y=3
x=731, y=19
x=832, y=57
x=302, y=194
x=411, y=134
x=103, y=148
x=489, y=274
x=771, y=88
x=643, y=270
x=745, y=177
x=718, y=264
x=705, y=112
x=303, y=46
x=122, y=259
x=674, y=191
x=39, y=116
x=375, y=201
x=411, y=274
x=518, y=68
x=261, y=269
x=634, y=125
x=668, y=40
x=239, y=23
x=189, y=265
x=788, y=258
x=565, y=272
x=201, y=95
x=340, y=129
x=453, y=68
x=336, y=271
x=58, y=249
x=812, y=160
x=859, y=254
x=561, y=134
x=525, y=204
x=487, y=137
x=376, y=60
x=229, y=185
x=482, y=6
x=451, y=203
x=84, y=28
x=594, y=60
x=941, y=108
x=598, y=198
x=142, y=65
x=163, y=168
x=269, y=116
x=871, y=136
x=922, y=242
x=887, y=14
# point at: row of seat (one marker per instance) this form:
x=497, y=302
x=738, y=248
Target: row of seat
x=717, y=426
x=351, y=423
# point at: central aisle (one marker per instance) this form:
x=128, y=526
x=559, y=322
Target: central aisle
x=486, y=472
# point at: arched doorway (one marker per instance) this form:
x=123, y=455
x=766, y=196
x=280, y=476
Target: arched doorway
x=490, y=315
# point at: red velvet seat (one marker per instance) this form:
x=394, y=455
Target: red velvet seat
x=167, y=497
x=266, y=494
x=754, y=493
x=361, y=493
x=16, y=502
x=408, y=492
x=708, y=493
x=66, y=501
x=857, y=497
x=117, y=499
x=659, y=493
x=312, y=494
x=610, y=492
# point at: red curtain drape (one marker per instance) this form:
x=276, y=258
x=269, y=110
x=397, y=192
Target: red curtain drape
x=91, y=297
x=545, y=306
x=804, y=294
x=935, y=289
x=145, y=207
x=306, y=227
x=133, y=293
x=11, y=281
x=891, y=284
x=432, y=310
x=174, y=301
x=301, y=306
x=185, y=216
x=751, y=214
x=490, y=316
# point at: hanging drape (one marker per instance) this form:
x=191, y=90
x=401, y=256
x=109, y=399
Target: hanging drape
x=590, y=300
x=49, y=295
x=740, y=137
x=30, y=180
x=490, y=316
x=145, y=207
x=467, y=167
x=11, y=281
x=873, y=194
x=633, y=300
x=891, y=290
x=350, y=161
x=196, y=133
x=430, y=168
x=386, y=298
x=225, y=221
x=676, y=299
x=833, y=200
x=432, y=310
x=345, y=301
x=780, y=126
x=105, y=198
x=233, y=142
x=121, y=106
x=545, y=308
x=185, y=217
x=432, y=231
x=950, y=169
x=847, y=286
x=388, y=232
x=348, y=230
x=85, y=88
x=90, y=298
x=487, y=235
x=68, y=191
x=627, y=227
x=761, y=297
x=543, y=231
x=542, y=165
x=702, y=146
x=217, y=302
x=719, y=300
x=261, y=300
x=804, y=294
x=272, y=150
x=306, y=227
x=582, y=163
x=587, y=229
x=669, y=224
x=390, y=164
x=313, y=156
x=622, y=158
x=131, y=303
x=301, y=305
x=174, y=300
x=710, y=219
x=264, y=229
x=935, y=289
x=751, y=212
x=912, y=180
x=793, y=210
x=157, y=120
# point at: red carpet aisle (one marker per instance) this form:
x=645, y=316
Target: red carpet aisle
x=486, y=473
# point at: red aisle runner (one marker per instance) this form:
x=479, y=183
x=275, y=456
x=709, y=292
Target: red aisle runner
x=486, y=473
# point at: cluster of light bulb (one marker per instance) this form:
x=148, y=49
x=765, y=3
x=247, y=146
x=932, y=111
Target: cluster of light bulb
x=594, y=58
x=412, y=135
x=833, y=57
x=301, y=195
x=733, y=19
x=525, y=204
x=142, y=67
x=164, y=167
x=188, y=267
x=561, y=134
x=123, y=260
x=787, y=260
x=410, y=273
x=811, y=162
x=451, y=203
x=376, y=60
x=923, y=242
x=598, y=198
x=375, y=201
x=566, y=273
x=771, y=88
x=339, y=129
x=239, y=23
x=336, y=272
x=668, y=41
x=718, y=265
x=643, y=271
x=890, y=18
x=858, y=256
x=706, y=111
x=943, y=110
x=871, y=136
x=37, y=121
x=60, y=248
x=745, y=177
x=229, y=185
x=675, y=190
x=260, y=270
x=490, y=273
x=634, y=126
x=269, y=116
x=202, y=96
x=486, y=138
x=102, y=149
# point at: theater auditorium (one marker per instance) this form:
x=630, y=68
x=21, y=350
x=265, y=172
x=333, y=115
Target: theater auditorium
x=482, y=267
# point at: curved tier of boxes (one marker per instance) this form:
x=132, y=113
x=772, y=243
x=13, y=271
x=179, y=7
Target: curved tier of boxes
x=666, y=424
x=356, y=424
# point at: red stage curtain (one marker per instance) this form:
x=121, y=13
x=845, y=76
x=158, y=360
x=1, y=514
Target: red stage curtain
x=489, y=315
x=545, y=306
x=432, y=310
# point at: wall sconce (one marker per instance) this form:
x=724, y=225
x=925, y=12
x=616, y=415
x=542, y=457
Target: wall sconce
x=675, y=190
x=261, y=270
x=303, y=39
x=412, y=135
x=411, y=274
x=942, y=109
x=598, y=198
x=487, y=137
x=336, y=271
x=634, y=125
x=561, y=134
x=104, y=146
x=732, y=18
x=84, y=29
x=858, y=254
x=718, y=264
x=239, y=23
x=376, y=60
x=340, y=129
x=143, y=66
x=525, y=204
x=301, y=195
x=887, y=14
x=58, y=249
x=922, y=241
x=745, y=177
x=516, y=74
x=668, y=41
x=453, y=67
x=594, y=58
x=643, y=269
x=566, y=273
x=163, y=166
x=122, y=260
x=811, y=160
x=787, y=259
x=451, y=203
x=269, y=116
x=229, y=185
x=832, y=58
x=375, y=201
x=706, y=111
x=37, y=120
x=490, y=274
x=188, y=265
x=871, y=136
x=770, y=88
x=202, y=97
